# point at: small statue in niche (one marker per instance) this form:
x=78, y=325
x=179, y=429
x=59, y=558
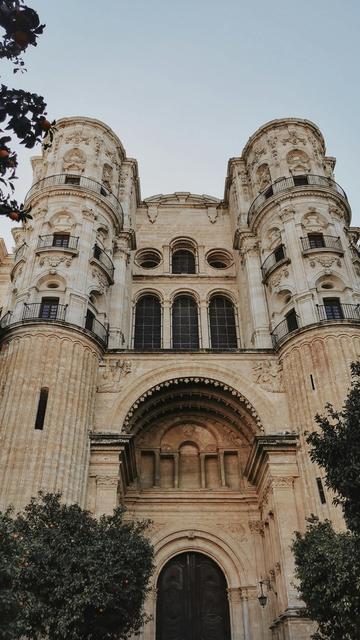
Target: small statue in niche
x=107, y=176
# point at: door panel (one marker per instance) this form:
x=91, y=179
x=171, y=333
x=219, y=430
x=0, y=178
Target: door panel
x=192, y=600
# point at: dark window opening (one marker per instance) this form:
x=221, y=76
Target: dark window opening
x=321, y=490
x=49, y=308
x=148, y=323
x=316, y=240
x=222, y=323
x=97, y=252
x=299, y=181
x=333, y=309
x=72, y=179
x=268, y=193
x=279, y=253
x=185, y=323
x=183, y=261
x=291, y=320
x=312, y=382
x=61, y=240
x=89, y=320
x=41, y=410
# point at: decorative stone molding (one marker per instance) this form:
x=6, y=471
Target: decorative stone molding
x=275, y=280
x=257, y=526
x=269, y=376
x=107, y=481
x=77, y=137
x=249, y=593
x=112, y=374
x=282, y=482
x=293, y=138
x=54, y=261
x=326, y=261
x=187, y=380
x=101, y=282
x=234, y=594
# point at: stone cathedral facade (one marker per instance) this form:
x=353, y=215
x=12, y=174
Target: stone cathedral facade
x=170, y=354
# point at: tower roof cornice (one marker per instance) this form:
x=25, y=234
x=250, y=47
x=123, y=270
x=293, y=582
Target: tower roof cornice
x=279, y=123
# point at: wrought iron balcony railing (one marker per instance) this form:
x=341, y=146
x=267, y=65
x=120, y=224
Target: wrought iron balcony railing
x=77, y=182
x=20, y=252
x=275, y=258
x=284, y=184
x=284, y=328
x=338, y=311
x=44, y=312
x=105, y=260
x=318, y=242
x=98, y=329
x=58, y=241
x=53, y=312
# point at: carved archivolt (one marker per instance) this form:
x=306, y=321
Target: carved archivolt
x=190, y=380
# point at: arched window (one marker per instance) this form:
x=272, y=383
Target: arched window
x=222, y=323
x=185, y=323
x=148, y=323
x=183, y=261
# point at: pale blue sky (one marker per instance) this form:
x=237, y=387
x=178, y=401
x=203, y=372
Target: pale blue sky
x=184, y=84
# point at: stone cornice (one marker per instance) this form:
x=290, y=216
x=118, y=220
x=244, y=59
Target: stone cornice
x=262, y=448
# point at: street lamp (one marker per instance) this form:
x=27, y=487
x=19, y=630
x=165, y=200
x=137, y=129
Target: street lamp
x=262, y=597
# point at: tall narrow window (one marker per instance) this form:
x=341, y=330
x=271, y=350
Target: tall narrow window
x=89, y=320
x=291, y=320
x=49, y=308
x=222, y=323
x=41, y=410
x=279, y=253
x=333, y=309
x=185, y=323
x=148, y=323
x=183, y=261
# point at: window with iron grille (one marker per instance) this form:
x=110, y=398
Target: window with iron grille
x=60, y=240
x=183, y=261
x=333, y=309
x=148, y=323
x=222, y=323
x=185, y=328
x=49, y=308
x=316, y=240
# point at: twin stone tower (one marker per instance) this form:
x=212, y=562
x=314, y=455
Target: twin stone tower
x=171, y=353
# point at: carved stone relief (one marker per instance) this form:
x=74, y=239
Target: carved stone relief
x=74, y=160
x=111, y=375
x=54, y=261
x=269, y=376
x=298, y=161
x=101, y=282
x=77, y=137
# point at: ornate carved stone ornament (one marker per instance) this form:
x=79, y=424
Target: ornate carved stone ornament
x=212, y=214
x=54, y=261
x=263, y=176
x=74, y=160
x=269, y=376
x=112, y=374
x=124, y=176
x=276, y=279
x=107, y=481
x=152, y=213
x=326, y=261
x=77, y=137
x=101, y=282
x=257, y=526
x=313, y=221
x=282, y=482
x=88, y=214
x=294, y=138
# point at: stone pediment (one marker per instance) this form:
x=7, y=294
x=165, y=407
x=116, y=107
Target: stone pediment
x=183, y=198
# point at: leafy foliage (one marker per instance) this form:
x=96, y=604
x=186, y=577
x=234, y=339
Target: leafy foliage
x=337, y=448
x=22, y=112
x=79, y=577
x=10, y=558
x=327, y=562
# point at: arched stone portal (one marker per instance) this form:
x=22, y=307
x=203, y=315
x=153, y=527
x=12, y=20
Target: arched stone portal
x=192, y=600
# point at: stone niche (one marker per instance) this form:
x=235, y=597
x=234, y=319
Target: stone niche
x=191, y=455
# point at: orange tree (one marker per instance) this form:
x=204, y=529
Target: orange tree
x=22, y=114
x=65, y=575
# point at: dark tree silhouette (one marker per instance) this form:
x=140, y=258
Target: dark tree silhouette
x=22, y=114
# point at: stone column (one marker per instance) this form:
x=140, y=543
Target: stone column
x=120, y=304
x=237, y=617
x=249, y=249
x=204, y=326
x=166, y=325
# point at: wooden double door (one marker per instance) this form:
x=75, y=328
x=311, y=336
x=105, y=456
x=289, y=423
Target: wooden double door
x=192, y=600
